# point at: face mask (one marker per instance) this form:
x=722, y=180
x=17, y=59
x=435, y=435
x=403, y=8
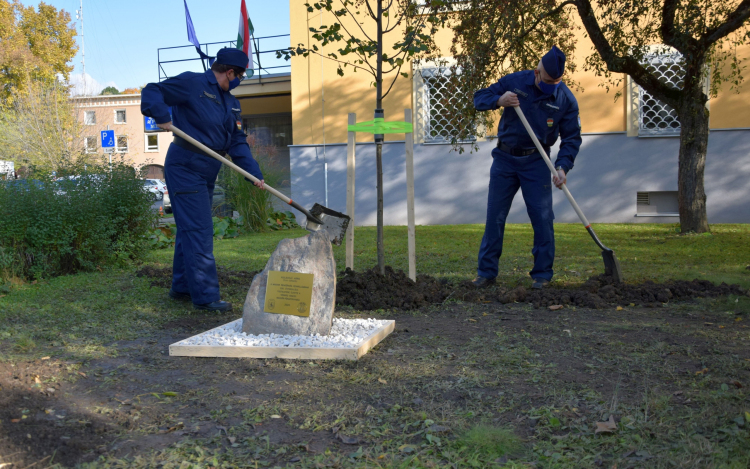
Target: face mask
x=234, y=83
x=547, y=88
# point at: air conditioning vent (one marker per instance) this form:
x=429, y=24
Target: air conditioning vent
x=642, y=198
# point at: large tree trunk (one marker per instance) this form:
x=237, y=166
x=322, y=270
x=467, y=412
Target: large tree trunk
x=693, y=117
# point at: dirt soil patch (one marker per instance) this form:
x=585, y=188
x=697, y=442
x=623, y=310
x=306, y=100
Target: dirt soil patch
x=368, y=290
x=230, y=281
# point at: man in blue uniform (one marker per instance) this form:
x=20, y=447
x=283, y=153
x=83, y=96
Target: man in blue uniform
x=202, y=107
x=552, y=111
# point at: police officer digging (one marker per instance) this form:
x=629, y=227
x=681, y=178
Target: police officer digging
x=203, y=107
x=552, y=111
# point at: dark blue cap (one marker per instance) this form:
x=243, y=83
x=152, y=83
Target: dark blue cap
x=233, y=57
x=554, y=63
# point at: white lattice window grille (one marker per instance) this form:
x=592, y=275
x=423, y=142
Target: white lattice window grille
x=654, y=117
x=436, y=101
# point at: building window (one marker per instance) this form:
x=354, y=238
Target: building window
x=152, y=142
x=89, y=117
x=122, y=144
x=654, y=117
x=436, y=97
x=657, y=204
x=90, y=143
x=120, y=116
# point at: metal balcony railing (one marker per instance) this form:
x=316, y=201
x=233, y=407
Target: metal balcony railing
x=175, y=60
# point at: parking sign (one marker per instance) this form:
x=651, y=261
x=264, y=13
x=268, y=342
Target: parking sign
x=108, y=139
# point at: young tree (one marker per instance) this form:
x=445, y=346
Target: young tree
x=706, y=33
x=34, y=43
x=40, y=129
x=410, y=24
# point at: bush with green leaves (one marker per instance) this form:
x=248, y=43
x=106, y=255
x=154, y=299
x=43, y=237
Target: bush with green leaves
x=87, y=218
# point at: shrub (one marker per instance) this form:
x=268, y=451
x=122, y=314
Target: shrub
x=93, y=218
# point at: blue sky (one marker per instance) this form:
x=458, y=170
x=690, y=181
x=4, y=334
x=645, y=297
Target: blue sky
x=122, y=37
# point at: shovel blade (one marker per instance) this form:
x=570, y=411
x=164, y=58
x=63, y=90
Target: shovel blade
x=334, y=223
x=612, y=266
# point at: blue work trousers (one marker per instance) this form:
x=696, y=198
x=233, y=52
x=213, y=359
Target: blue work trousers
x=190, y=180
x=531, y=174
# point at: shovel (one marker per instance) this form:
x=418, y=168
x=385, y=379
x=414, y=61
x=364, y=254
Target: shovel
x=611, y=264
x=319, y=218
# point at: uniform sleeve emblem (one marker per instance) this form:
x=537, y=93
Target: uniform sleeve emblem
x=550, y=122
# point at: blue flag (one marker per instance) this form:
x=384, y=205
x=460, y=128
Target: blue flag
x=192, y=37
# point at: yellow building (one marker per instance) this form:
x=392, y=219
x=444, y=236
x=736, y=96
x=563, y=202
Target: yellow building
x=626, y=170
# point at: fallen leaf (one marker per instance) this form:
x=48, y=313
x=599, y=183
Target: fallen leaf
x=485, y=314
x=407, y=448
x=472, y=320
x=15, y=420
x=50, y=389
x=171, y=429
x=702, y=372
x=721, y=327
x=619, y=308
x=677, y=393
x=708, y=324
x=274, y=416
x=382, y=381
x=736, y=383
x=632, y=304
x=606, y=427
x=45, y=358
x=555, y=307
x=347, y=440
x=82, y=374
x=169, y=394
x=232, y=439
x=37, y=380
x=295, y=459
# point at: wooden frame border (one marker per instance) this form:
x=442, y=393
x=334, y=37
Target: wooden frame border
x=290, y=353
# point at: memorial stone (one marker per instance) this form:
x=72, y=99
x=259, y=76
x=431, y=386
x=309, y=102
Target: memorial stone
x=311, y=254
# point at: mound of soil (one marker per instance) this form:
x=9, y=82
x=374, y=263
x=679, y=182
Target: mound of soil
x=369, y=290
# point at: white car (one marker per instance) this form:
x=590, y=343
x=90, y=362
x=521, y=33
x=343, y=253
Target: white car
x=156, y=194
x=158, y=183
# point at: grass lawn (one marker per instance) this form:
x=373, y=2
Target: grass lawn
x=85, y=378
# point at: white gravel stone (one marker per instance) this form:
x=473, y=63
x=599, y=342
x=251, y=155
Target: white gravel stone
x=345, y=333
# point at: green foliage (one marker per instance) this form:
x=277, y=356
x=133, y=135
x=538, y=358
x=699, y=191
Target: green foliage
x=227, y=227
x=282, y=221
x=109, y=90
x=89, y=220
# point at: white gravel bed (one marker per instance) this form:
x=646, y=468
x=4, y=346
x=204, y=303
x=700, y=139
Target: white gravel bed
x=345, y=333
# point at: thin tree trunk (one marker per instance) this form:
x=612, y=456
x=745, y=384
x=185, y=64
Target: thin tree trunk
x=379, y=138
x=692, y=162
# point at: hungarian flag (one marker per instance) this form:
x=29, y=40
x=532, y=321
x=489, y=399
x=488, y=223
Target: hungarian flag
x=245, y=37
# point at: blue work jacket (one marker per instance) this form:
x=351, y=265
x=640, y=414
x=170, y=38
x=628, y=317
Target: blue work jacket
x=550, y=116
x=203, y=110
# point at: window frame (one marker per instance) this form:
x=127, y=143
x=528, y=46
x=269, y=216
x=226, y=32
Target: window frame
x=86, y=148
x=118, y=148
x=422, y=96
x=93, y=113
x=147, y=148
x=125, y=116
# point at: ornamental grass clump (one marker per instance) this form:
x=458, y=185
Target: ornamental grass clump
x=254, y=205
x=86, y=218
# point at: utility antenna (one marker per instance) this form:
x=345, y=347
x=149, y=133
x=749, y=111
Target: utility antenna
x=79, y=16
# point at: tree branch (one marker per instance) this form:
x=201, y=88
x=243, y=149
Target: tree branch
x=627, y=64
x=355, y=20
x=734, y=21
